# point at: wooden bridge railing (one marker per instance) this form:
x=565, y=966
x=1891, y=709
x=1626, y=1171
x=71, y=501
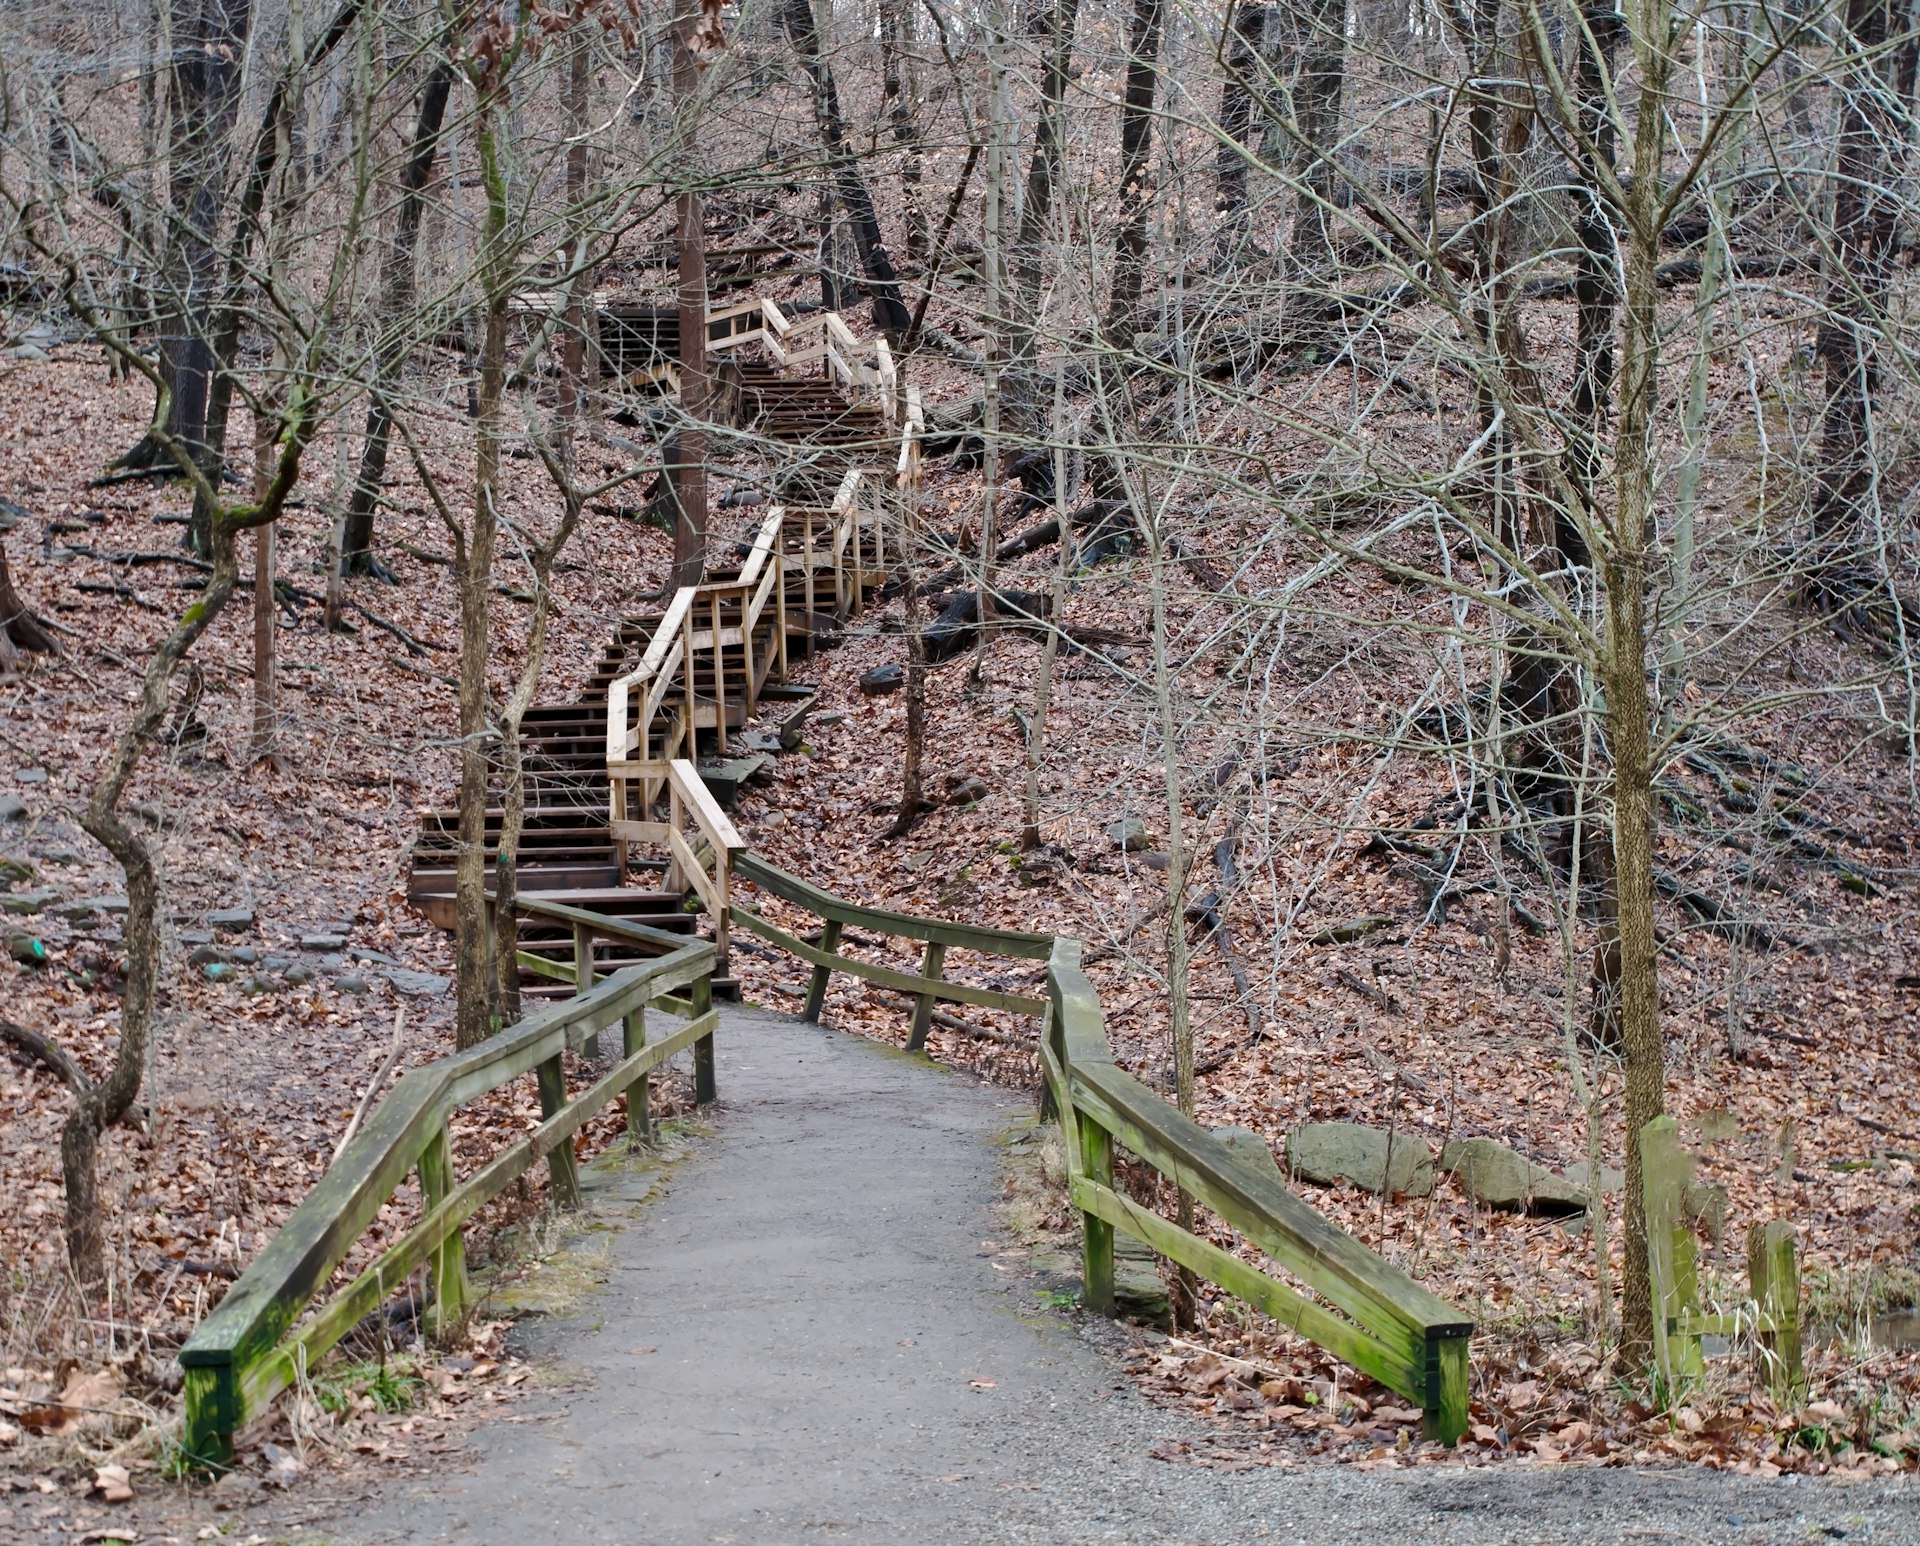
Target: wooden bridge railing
x=255, y=1343
x=864, y=371
x=1356, y=1305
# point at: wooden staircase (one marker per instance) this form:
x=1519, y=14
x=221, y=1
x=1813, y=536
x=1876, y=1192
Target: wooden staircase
x=679, y=682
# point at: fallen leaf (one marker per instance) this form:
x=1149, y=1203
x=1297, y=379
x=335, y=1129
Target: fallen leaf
x=84, y=1395
x=114, y=1483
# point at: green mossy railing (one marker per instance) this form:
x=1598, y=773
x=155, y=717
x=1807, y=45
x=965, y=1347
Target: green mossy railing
x=1355, y=1304
x=250, y=1348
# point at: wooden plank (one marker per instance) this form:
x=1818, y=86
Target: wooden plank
x=639, y=1107
x=1346, y=1341
x=930, y=966
x=1096, y=1229
x=717, y=826
x=704, y=1088
x=887, y=976
x=822, y=969
x=692, y=871
x=1774, y=1274
x=560, y=1165
x=449, y=1274
x=602, y=927
x=1394, y=1308
x=957, y=936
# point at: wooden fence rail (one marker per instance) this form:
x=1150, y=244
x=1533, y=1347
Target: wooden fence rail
x=1356, y=1305
x=250, y=1348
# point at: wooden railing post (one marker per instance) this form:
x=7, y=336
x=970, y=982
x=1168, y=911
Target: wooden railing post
x=1096, y=1234
x=704, y=1089
x=1449, y=1388
x=817, y=990
x=448, y=1265
x=1774, y=1274
x=560, y=1165
x=930, y=966
x=639, y=1093
x=583, y=980
x=1665, y=1169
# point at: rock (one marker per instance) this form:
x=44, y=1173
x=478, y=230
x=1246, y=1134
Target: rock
x=1354, y=928
x=196, y=936
x=1334, y=1152
x=826, y=719
x=323, y=942
x=30, y=776
x=969, y=789
x=882, y=679
x=12, y=808
x=1139, y=1292
x=27, y=950
x=220, y=971
x=1131, y=835
x=1492, y=1174
x=61, y=856
x=1249, y=1145
x=1153, y=859
x=277, y=963
x=373, y=957
x=243, y=955
x=230, y=920
x=1611, y=1180
x=348, y=983
x=13, y=871
x=24, y=904
x=104, y=904
x=417, y=984
x=299, y=974
x=1039, y=870
x=79, y=912
x=725, y=779
x=773, y=821
x=258, y=983
x=203, y=955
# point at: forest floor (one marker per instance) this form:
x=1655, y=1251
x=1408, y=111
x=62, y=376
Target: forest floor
x=1790, y=1067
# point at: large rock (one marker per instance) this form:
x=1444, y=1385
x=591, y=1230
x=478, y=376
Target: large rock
x=25, y=904
x=418, y=984
x=12, y=808
x=1492, y=1174
x=1248, y=1144
x=1131, y=835
x=1332, y=1153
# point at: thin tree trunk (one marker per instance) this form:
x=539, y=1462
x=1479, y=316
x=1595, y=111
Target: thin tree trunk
x=1624, y=676
x=473, y=575
x=1053, y=37
x=900, y=99
x=689, y=443
x=1043, y=688
x=1316, y=113
x=398, y=285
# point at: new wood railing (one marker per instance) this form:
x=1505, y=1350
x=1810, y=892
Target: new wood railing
x=1351, y=1301
x=256, y=1342
x=863, y=371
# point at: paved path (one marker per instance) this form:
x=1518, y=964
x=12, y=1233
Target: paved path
x=824, y=1320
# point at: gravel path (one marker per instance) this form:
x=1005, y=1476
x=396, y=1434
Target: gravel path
x=807, y=1340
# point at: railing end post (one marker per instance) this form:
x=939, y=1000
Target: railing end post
x=1449, y=1387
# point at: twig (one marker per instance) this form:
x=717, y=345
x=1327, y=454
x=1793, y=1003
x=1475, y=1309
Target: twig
x=380, y=1078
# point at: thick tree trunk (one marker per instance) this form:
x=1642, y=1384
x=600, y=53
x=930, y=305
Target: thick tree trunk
x=20, y=630
x=1873, y=81
x=398, y=285
x=209, y=41
x=883, y=285
x=272, y=147
x=1136, y=150
x=1053, y=36
x=1317, y=100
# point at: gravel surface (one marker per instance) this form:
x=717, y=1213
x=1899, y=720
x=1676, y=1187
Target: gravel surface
x=809, y=1339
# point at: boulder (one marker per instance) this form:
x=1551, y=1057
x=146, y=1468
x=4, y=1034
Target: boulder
x=1369, y=1157
x=1494, y=1175
x=966, y=789
x=1131, y=835
x=1249, y=1145
x=417, y=984
x=1611, y=1180
x=349, y=983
